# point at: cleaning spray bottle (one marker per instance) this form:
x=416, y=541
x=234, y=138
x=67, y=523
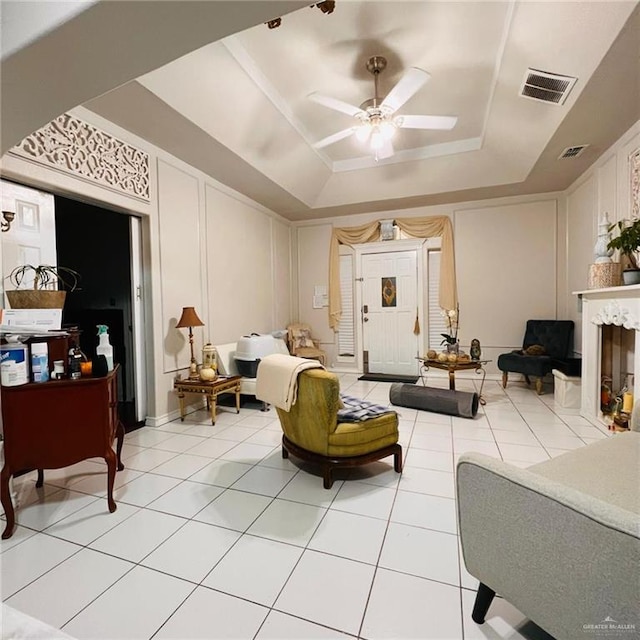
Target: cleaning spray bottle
x=104, y=347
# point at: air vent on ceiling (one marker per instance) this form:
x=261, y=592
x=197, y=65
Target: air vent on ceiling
x=546, y=87
x=572, y=152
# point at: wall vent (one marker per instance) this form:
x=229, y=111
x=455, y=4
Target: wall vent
x=546, y=87
x=572, y=152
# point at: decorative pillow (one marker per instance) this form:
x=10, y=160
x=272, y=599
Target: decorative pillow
x=302, y=338
x=535, y=350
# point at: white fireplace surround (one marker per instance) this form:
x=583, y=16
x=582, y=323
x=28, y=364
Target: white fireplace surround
x=618, y=306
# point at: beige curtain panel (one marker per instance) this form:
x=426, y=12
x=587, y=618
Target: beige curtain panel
x=428, y=227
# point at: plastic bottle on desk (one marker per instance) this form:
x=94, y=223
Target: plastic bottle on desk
x=75, y=358
x=104, y=347
x=40, y=362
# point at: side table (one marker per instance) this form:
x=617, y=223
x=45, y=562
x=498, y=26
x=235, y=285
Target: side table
x=211, y=390
x=476, y=366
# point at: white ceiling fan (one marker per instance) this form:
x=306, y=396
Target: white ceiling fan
x=377, y=120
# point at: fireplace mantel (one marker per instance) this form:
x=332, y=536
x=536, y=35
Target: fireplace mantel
x=626, y=291
x=619, y=306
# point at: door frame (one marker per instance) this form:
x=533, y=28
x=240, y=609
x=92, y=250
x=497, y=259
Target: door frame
x=138, y=317
x=387, y=246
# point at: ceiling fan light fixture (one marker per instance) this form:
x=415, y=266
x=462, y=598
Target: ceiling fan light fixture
x=377, y=121
x=363, y=132
x=377, y=138
x=388, y=129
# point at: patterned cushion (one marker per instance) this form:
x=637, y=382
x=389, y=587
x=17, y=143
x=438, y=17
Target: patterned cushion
x=302, y=338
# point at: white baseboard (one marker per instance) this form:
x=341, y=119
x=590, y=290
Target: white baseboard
x=158, y=421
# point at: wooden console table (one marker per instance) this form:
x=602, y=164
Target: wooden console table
x=477, y=366
x=226, y=384
x=49, y=425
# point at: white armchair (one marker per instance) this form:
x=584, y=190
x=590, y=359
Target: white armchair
x=227, y=365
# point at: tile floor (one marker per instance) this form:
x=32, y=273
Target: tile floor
x=216, y=536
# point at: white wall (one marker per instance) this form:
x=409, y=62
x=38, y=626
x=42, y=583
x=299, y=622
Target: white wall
x=245, y=280
x=603, y=188
x=506, y=271
x=313, y=270
x=516, y=258
x=204, y=245
x=506, y=262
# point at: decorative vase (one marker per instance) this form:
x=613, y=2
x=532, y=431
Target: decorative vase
x=475, y=351
x=601, y=252
x=453, y=347
x=387, y=231
x=209, y=356
x=208, y=374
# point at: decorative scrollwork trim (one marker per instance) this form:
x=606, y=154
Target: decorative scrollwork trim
x=613, y=313
x=75, y=147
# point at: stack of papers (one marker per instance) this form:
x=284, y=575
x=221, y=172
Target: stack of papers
x=31, y=321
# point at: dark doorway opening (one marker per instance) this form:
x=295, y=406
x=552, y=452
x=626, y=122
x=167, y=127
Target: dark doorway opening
x=96, y=243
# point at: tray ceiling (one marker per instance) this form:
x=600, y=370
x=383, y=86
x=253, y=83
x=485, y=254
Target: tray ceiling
x=238, y=108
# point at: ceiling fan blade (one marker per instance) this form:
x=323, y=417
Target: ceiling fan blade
x=334, y=137
x=426, y=122
x=412, y=80
x=386, y=151
x=334, y=103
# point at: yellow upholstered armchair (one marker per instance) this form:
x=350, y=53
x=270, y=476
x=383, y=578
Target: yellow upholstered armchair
x=302, y=345
x=312, y=431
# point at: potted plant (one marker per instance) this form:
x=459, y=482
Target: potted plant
x=46, y=291
x=451, y=338
x=628, y=242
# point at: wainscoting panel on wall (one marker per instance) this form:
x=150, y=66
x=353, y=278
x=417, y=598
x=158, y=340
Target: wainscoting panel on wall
x=514, y=248
x=180, y=260
x=240, y=269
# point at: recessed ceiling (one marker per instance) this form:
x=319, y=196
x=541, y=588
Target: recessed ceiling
x=244, y=99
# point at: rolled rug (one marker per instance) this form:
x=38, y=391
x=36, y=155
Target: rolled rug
x=454, y=403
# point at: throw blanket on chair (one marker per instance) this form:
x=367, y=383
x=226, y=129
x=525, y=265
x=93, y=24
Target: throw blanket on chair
x=356, y=409
x=277, y=380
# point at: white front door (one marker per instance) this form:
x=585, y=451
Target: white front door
x=389, y=309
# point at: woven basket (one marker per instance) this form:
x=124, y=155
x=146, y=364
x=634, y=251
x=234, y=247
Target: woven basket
x=604, y=275
x=36, y=299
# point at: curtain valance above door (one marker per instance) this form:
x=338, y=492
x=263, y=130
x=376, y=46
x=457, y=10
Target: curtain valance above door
x=426, y=227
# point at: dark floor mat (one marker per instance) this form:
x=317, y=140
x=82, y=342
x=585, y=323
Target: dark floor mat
x=388, y=377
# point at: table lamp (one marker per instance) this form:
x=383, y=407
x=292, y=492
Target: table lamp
x=189, y=318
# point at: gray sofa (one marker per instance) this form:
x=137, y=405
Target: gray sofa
x=559, y=540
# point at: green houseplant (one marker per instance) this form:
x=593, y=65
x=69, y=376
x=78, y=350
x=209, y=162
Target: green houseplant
x=49, y=288
x=628, y=243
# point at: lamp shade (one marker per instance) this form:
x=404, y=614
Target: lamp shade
x=189, y=318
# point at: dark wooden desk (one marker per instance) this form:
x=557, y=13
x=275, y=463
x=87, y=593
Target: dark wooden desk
x=477, y=366
x=212, y=389
x=49, y=425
